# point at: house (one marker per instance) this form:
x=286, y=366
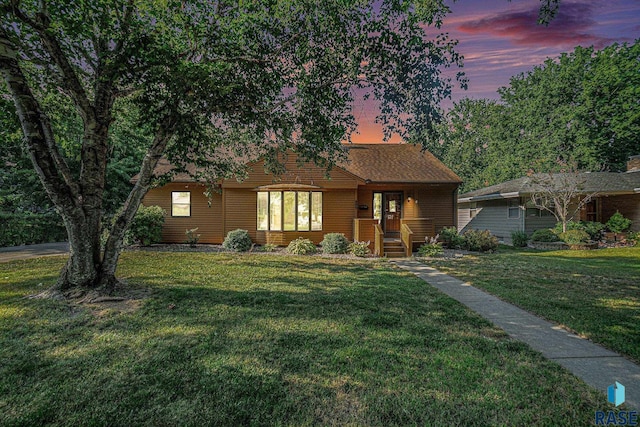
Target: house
x=391, y=193
x=507, y=207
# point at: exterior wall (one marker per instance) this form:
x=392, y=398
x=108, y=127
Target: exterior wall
x=207, y=219
x=437, y=202
x=492, y=215
x=628, y=205
x=538, y=222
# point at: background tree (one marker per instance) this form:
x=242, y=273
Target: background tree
x=207, y=82
x=582, y=108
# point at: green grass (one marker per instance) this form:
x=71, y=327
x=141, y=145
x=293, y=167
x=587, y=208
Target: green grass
x=594, y=293
x=269, y=340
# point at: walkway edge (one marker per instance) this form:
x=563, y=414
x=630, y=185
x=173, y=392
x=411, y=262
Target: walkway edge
x=594, y=364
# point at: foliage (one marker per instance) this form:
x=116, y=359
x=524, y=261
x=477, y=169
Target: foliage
x=587, y=291
x=301, y=246
x=334, y=243
x=574, y=237
x=519, y=239
x=480, y=241
x=618, y=223
x=237, y=240
x=359, y=249
x=544, y=235
x=634, y=237
x=580, y=108
x=146, y=227
x=28, y=228
x=451, y=238
x=268, y=247
x=252, y=79
x=593, y=228
x=431, y=247
x=226, y=340
x=191, y=237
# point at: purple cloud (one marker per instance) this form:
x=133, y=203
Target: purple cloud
x=572, y=26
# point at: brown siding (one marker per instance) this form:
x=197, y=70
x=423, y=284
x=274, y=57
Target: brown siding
x=628, y=205
x=308, y=174
x=207, y=219
x=338, y=211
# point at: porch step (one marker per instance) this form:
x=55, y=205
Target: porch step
x=394, y=249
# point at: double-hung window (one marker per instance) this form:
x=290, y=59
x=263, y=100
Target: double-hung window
x=180, y=203
x=289, y=210
x=514, y=209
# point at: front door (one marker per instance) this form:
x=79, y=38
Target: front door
x=392, y=214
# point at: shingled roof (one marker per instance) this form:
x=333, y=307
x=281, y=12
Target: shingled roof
x=399, y=163
x=605, y=183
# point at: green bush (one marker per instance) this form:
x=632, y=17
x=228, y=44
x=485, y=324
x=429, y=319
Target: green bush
x=191, y=237
x=574, y=237
x=237, y=240
x=480, y=241
x=146, y=227
x=359, y=249
x=268, y=247
x=634, y=238
x=618, y=223
x=430, y=249
x=27, y=228
x=301, y=246
x=450, y=238
x=334, y=243
x=544, y=235
x=594, y=229
x=519, y=239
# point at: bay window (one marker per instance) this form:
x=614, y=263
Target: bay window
x=289, y=210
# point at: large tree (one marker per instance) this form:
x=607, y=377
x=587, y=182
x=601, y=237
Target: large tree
x=211, y=81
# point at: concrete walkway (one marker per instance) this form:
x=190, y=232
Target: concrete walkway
x=33, y=251
x=594, y=364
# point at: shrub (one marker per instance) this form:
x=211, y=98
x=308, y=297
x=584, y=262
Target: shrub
x=519, y=239
x=359, y=249
x=192, y=238
x=301, y=246
x=334, y=243
x=237, y=240
x=268, y=247
x=593, y=229
x=431, y=248
x=574, y=237
x=571, y=225
x=450, y=238
x=146, y=227
x=480, y=241
x=544, y=235
x=26, y=228
x=634, y=238
x=618, y=223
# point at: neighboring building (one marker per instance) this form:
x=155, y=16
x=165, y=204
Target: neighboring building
x=506, y=207
x=393, y=185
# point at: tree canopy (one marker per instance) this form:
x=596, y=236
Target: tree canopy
x=203, y=83
x=582, y=108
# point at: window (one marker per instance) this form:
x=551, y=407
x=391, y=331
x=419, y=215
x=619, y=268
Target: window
x=377, y=206
x=533, y=211
x=180, y=203
x=289, y=210
x=473, y=210
x=514, y=209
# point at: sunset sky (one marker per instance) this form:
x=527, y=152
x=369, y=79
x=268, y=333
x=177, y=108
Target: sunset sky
x=500, y=39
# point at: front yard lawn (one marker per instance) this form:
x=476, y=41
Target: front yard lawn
x=228, y=339
x=594, y=293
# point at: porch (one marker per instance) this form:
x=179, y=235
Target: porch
x=413, y=232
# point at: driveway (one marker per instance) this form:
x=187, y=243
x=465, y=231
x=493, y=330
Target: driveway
x=33, y=251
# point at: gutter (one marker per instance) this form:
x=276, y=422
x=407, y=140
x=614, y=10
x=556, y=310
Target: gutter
x=494, y=196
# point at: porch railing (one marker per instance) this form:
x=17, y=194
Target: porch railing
x=421, y=228
x=406, y=236
x=378, y=247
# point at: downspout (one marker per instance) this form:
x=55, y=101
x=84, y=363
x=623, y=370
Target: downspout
x=455, y=207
